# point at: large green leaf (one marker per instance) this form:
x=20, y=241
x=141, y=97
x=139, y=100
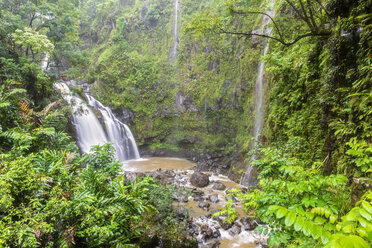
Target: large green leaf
x=365, y=214
x=290, y=219
x=281, y=212
x=299, y=223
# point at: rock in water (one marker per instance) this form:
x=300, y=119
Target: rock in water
x=213, y=198
x=235, y=230
x=199, y=179
x=219, y=186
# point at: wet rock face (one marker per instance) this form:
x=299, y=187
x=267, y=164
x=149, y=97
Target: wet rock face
x=199, y=179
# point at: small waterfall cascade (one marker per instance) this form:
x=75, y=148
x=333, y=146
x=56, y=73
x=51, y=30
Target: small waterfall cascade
x=249, y=177
x=90, y=131
x=117, y=132
x=44, y=61
x=175, y=30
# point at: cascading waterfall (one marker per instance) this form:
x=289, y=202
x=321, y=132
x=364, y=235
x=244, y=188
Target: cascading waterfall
x=175, y=30
x=249, y=177
x=44, y=61
x=89, y=130
x=117, y=132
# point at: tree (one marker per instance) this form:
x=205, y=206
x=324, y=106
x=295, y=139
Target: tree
x=30, y=39
x=298, y=19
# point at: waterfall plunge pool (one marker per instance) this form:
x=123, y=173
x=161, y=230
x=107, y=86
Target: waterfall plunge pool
x=182, y=170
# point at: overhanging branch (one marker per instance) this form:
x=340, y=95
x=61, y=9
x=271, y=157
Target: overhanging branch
x=261, y=13
x=276, y=38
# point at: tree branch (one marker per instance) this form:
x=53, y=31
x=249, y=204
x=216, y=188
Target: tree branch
x=311, y=15
x=261, y=13
x=276, y=38
x=323, y=8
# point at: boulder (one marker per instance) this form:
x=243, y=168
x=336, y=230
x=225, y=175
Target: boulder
x=235, y=229
x=199, y=179
x=204, y=205
x=213, y=198
x=222, y=220
x=219, y=186
x=248, y=224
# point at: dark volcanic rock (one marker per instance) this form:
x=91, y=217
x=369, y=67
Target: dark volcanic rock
x=235, y=229
x=207, y=232
x=219, y=186
x=248, y=224
x=222, y=220
x=199, y=179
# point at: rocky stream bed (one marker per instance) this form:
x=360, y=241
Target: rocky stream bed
x=205, y=194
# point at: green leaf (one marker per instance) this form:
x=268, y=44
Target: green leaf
x=332, y=219
x=365, y=214
x=348, y=229
x=325, y=237
x=316, y=231
x=299, y=223
x=307, y=228
x=367, y=206
x=290, y=219
x=281, y=212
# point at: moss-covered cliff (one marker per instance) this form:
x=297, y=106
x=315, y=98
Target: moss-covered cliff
x=201, y=104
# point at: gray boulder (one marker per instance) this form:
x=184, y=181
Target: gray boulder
x=199, y=179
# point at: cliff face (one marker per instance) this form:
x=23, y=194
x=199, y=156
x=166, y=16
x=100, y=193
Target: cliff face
x=200, y=103
x=197, y=104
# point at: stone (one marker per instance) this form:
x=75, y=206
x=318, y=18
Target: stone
x=222, y=220
x=199, y=179
x=248, y=224
x=235, y=229
x=214, y=198
x=219, y=186
x=181, y=197
x=204, y=205
x=198, y=198
x=216, y=234
x=207, y=232
x=181, y=213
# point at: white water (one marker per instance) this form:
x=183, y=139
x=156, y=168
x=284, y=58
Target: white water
x=44, y=61
x=117, y=132
x=89, y=130
x=175, y=31
x=249, y=177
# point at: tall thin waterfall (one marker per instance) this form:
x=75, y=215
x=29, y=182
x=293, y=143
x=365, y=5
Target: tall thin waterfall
x=89, y=130
x=175, y=30
x=44, y=61
x=249, y=177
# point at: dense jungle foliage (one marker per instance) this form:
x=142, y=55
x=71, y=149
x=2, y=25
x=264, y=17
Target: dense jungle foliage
x=51, y=195
x=314, y=185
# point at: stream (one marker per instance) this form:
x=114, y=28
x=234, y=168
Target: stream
x=209, y=231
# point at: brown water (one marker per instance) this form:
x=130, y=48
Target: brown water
x=183, y=168
x=155, y=163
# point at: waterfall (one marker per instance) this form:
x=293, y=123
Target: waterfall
x=90, y=131
x=117, y=132
x=249, y=177
x=175, y=31
x=44, y=61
